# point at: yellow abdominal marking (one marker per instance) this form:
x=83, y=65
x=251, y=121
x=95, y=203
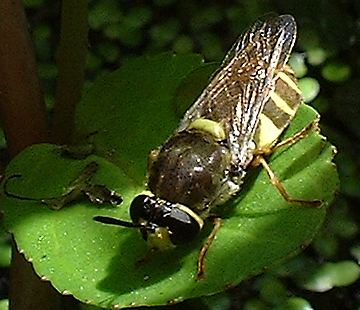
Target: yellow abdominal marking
x=208, y=126
x=281, y=103
x=289, y=81
x=268, y=131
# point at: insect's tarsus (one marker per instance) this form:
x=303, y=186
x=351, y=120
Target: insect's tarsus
x=201, y=258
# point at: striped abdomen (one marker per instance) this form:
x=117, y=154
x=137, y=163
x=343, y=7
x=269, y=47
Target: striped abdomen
x=279, y=110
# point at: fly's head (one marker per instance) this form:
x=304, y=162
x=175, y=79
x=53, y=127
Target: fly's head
x=164, y=224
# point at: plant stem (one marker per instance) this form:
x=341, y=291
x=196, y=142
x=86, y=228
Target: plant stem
x=21, y=101
x=27, y=291
x=71, y=65
x=25, y=122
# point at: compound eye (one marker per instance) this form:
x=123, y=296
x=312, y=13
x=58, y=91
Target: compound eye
x=140, y=208
x=183, y=227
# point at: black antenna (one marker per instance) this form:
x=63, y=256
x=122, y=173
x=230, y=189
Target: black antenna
x=114, y=221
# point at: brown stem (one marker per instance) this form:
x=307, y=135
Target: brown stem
x=71, y=65
x=21, y=101
x=24, y=119
x=27, y=291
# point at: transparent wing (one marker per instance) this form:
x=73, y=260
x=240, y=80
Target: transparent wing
x=238, y=92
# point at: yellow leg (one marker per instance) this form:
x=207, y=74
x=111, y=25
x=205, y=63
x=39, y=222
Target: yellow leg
x=265, y=151
x=277, y=183
x=298, y=136
x=201, y=259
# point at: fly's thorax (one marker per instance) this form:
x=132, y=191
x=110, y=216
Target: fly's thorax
x=190, y=169
x=164, y=224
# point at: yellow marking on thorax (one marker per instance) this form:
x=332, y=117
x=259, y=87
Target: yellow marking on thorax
x=268, y=132
x=281, y=103
x=289, y=82
x=215, y=129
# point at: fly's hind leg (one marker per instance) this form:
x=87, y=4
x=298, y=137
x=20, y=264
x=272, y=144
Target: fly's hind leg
x=259, y=159
x=296, y=137
x=201, y=258
x=280, y=187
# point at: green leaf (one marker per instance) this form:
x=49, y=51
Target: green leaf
x=33, y=3
x=137, y=17
x=5, y=248
x=355, y=251
x=183, y=44
x=132, y=111
x=4, y=304
x=310, y=88
x=336, y=72
x=256, y=304
x=297, y=63
x=316, y=55
x=147, y=85
x=165, y=33
x=331, y=275
x=295, y=303
x=104, y=13
x=272, y=290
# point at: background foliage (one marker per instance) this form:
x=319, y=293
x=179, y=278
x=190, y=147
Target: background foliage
x=326, y=55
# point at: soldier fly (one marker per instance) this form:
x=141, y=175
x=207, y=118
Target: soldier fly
x=232, y=126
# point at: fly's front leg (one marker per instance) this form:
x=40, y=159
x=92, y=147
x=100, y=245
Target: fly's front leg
x=201, y=258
